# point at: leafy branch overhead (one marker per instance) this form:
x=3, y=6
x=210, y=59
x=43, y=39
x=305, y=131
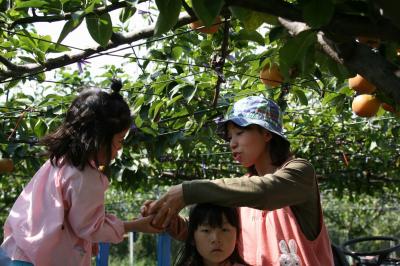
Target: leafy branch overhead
x=183, y=63
x=337, y=25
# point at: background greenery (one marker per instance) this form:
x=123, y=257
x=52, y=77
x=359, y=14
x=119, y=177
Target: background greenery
x=179, y=81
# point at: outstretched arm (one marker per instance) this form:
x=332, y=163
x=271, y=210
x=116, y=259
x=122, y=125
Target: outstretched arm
x=165, y=208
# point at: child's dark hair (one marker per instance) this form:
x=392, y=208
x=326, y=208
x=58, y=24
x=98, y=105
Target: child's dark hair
x=212, y=215
x=91, y=121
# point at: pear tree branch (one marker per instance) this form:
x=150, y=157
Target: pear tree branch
x=220, y=62
x=359, y=59
x=14, y=71
x=68, y=16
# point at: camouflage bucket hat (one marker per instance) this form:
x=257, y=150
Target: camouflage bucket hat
x=254, y=110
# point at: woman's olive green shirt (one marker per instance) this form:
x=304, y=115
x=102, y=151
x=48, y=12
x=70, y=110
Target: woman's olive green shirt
x=294, y=184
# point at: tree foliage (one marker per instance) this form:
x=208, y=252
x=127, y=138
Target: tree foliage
x=187, y=80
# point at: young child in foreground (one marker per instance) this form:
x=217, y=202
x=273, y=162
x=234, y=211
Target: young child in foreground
x=60, y=214
x=211, y=238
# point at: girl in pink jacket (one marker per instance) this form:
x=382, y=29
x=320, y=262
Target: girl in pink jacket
x=60, y=214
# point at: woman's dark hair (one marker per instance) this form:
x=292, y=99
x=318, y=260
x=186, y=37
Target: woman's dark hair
x=279, y=151
x=212, y=215
x=91, y=122
x=279, y=148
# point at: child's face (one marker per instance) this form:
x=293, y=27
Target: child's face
x=215, y=244
x=117, y=142
x=116, y=145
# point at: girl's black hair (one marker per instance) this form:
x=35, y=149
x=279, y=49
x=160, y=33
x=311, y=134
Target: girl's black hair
x=212, y=215
x=91, y=122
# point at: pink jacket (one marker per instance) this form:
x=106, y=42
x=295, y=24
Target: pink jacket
x=275, y=238
x=58, y=216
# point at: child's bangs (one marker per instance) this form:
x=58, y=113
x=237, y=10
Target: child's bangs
x=213, y=218
x=212, y=215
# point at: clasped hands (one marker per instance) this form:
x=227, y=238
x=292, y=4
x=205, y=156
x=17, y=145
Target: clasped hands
x=165, y=208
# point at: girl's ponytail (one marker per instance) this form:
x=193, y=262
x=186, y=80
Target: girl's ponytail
x=116, y=86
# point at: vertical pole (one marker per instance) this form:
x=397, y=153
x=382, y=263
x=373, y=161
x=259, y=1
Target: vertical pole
x=163, y=250
x=104, y=252
x=131, y=247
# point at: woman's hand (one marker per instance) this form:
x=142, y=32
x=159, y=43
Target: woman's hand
x=169, y=205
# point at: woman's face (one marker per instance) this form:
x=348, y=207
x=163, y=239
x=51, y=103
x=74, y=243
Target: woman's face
x=248, y=144
x=215, y=244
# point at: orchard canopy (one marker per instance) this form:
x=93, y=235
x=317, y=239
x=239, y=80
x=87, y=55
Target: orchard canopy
x=186, y=80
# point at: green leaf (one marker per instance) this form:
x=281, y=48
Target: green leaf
x=256, y=20
x=300, y=95
x=338, y=70
x=149, y=130
x=27, y=59
x=173, y=100
x=43, y=46
x=89, y=9
x=156, y=108
x=169, y=14
x=58, y=49
x=40, y=128
x=3, y=5
x=251, y=35
x=329, y=97
x=307, y=62
x=252, y=19
x=127, y=13
x=188, y=92
x=318, y=13
x=31, y=3
x=176, y=89
x=177, y=52
x=296, y=50
x=207, y=10
x=70, y=25
x=138, y=121
x=373, y=145
x=138, y=104
x=12, y=84
x=206, y=46
x=276, y=33
x=41, y=77
x=240, y=13
x=100, y=28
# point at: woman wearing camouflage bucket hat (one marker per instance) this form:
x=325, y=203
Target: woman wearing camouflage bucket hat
x=281, y=223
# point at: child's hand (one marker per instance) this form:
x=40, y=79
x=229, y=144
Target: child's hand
x=95, y=249
x=144, y=210
x=143, y=224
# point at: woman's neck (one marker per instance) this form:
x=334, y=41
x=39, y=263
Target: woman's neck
x=264, y=165
x=265, y=169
